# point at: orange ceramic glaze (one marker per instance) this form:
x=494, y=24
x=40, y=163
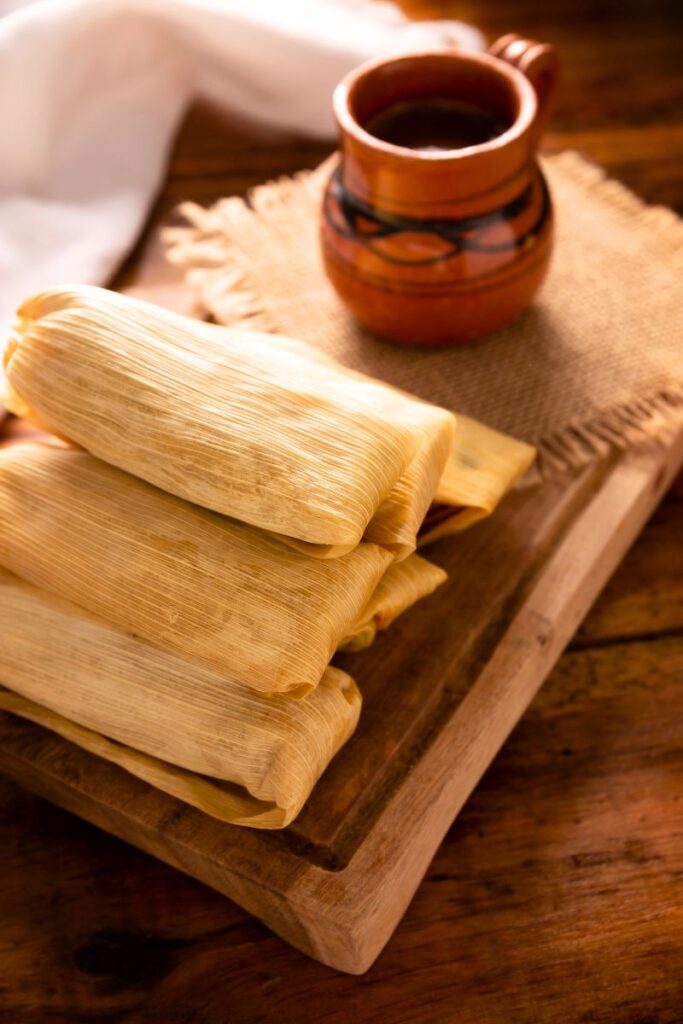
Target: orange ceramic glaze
x=440, y=247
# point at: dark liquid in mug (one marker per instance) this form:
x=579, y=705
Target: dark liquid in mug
x=435, y=124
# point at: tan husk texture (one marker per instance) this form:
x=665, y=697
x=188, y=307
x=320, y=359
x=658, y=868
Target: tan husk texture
x=403, y=584
x=239, y=422
x=206, y=587
x=192, y=582
x=172, y=723
x=482, y=467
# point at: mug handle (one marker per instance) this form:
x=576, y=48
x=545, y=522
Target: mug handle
x=538, y=61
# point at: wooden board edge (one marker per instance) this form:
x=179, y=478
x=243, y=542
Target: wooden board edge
x=348, y=916
x=78, y=796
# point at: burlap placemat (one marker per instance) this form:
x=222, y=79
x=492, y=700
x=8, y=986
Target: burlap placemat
x=595, y=363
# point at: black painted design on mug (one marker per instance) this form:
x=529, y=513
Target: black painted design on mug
x=461, y=234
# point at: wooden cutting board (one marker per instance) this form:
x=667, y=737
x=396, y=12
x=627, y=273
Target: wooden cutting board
x=442, y=690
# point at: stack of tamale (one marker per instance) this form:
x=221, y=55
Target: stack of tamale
x=212, y=514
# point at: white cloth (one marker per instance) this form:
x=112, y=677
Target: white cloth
x=91, y=92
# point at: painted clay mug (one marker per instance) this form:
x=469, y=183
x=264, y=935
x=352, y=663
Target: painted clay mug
x=437, y=246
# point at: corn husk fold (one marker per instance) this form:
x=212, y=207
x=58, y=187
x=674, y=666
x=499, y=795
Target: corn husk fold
x=219, y=746
x=403, y=585
x=483, y=465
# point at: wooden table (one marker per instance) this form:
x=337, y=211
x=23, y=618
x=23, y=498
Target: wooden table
x=558, y=894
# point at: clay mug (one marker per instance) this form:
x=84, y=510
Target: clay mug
x=437, y=246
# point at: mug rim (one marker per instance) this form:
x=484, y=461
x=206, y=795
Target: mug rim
x=528, y=104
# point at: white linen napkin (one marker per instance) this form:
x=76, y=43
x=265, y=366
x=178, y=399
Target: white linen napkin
x=91, y=92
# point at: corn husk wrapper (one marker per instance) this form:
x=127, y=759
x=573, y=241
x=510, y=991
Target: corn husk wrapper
x=239, y=422
x=403, y=584
x=482, y=467
x=180, y=577
x=174, y=724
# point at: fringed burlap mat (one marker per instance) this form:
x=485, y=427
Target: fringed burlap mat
x=596, y=362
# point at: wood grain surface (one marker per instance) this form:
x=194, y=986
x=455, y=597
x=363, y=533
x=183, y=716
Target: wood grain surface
x=557, y=896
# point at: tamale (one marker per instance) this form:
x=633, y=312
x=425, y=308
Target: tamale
x=177, y=725
x=242, y=423
x=187, y=580
x=482, y=465
x=403, y=584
